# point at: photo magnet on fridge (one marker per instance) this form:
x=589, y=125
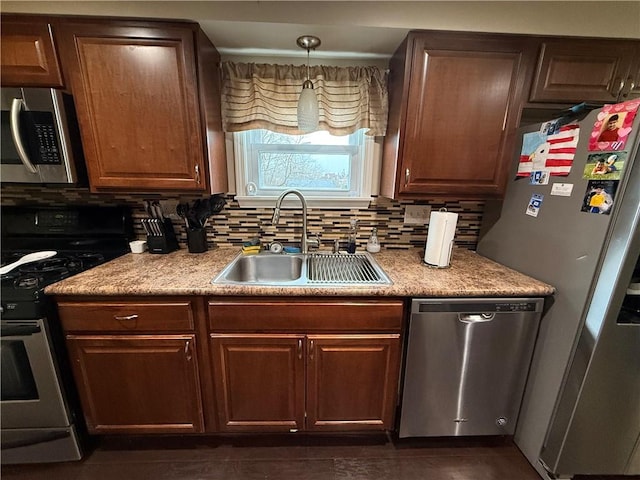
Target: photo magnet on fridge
x=599, y=196
x=613, y=126
x=604, y=166
x=534, y=205
x=539, y=178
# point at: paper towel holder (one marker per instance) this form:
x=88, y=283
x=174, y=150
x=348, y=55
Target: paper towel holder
x=449, y=250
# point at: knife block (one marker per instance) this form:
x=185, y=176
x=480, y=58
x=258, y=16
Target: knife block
x=164, y=243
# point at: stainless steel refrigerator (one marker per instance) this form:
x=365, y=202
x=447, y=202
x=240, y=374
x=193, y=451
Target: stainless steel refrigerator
x=581, y=409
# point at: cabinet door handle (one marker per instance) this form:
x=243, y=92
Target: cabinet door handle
x=198, y=174
x=630, y=86
x=126, y=317
x=407, y=174
x=300, y=349
x=187, y=350
x=311, y=350
x=620, y=86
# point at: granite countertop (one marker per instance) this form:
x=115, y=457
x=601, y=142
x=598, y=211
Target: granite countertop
x=183, y=273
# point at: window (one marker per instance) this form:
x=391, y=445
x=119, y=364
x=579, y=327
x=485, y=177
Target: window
x=329, y=170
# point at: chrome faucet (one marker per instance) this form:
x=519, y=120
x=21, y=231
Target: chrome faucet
x=306, y=241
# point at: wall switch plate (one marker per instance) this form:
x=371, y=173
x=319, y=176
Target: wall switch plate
x=417, y=214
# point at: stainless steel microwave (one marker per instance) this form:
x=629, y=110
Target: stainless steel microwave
x=40, y=137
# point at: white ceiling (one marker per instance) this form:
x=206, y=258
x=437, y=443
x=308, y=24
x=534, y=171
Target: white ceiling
x=365, y=29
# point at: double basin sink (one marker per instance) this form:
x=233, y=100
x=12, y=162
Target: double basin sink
x=312, y=269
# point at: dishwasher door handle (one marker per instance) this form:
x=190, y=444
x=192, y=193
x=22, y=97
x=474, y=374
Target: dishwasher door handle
x=476, y=317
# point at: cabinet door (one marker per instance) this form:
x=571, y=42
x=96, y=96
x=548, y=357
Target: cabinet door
x=352, y=381
x=28, y=56
x=137, y=383
x=581, y=70
x=462, y=104
x=632, y=85
x=137, y=100
x=259, y=382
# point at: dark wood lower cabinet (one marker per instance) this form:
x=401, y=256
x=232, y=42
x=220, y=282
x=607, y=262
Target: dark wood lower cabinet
x=259, y=382
x=350, y=382
x=137, y=383
x=163, y=365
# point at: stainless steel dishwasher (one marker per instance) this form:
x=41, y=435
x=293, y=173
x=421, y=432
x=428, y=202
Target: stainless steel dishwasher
x=466, y=365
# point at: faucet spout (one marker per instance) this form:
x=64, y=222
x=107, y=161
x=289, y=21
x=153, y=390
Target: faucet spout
x=276, y=217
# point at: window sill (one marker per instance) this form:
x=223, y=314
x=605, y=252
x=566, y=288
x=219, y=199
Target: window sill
x=312, y=202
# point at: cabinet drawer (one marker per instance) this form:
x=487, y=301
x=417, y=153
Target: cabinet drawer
x=134, y=316
x=304, y=315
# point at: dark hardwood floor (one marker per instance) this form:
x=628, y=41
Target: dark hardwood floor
x=289, y=457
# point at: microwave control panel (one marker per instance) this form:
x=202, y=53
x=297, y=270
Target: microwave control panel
x=43, y=140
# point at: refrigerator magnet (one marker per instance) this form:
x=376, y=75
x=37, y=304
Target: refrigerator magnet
x=562, y=189
x=604, y=166
x=552, y=152
x=540, y=177
x=599, y=197
x=613, y=126
x=534, y=205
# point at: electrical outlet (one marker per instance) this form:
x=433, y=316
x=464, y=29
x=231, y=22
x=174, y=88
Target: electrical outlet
x=417, y=214
x=169, y=209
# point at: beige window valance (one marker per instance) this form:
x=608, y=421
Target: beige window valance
x=266, y=96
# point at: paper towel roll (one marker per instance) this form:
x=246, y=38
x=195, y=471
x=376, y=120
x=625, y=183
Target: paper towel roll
x=442, y=228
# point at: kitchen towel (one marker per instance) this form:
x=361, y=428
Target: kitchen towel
x=442, y=228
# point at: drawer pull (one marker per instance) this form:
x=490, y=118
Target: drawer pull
x=299, y=349
x=126, y=317
x=311, y=350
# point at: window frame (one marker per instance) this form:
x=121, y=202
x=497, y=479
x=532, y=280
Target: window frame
x=365, y=171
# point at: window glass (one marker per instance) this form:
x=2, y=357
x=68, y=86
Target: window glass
x=318, y=164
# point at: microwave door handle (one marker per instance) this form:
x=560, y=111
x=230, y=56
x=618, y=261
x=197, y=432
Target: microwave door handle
x=16, y=107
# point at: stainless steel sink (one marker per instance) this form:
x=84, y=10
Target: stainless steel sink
x=264, y=268
x=316, y=269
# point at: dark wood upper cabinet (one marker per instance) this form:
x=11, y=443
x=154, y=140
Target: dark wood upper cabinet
x=28, y=56
x=592, y=70
x=454, y=104
x=146, y=118
x=632, y=86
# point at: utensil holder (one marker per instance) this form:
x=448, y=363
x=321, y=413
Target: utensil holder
x=164, y=240
x=196, y=240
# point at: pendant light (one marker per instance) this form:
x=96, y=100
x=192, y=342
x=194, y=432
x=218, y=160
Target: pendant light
x=308, y=115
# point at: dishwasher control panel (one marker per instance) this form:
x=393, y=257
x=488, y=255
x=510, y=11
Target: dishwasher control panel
x=475, y=307
x=516, y=307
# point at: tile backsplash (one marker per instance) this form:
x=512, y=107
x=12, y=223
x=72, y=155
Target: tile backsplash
x=235, y=225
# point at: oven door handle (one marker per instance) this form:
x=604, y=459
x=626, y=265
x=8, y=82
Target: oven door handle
x=14, y=122
x=19, y=330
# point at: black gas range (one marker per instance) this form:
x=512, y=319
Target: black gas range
x=82, y=237
x=39, y=404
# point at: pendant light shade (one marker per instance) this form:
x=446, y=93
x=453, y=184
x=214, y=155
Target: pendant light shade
x=308, y=115
x=308, y=112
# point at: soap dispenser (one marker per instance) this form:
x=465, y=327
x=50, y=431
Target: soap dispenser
x=373, y=245
x=351, y=241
